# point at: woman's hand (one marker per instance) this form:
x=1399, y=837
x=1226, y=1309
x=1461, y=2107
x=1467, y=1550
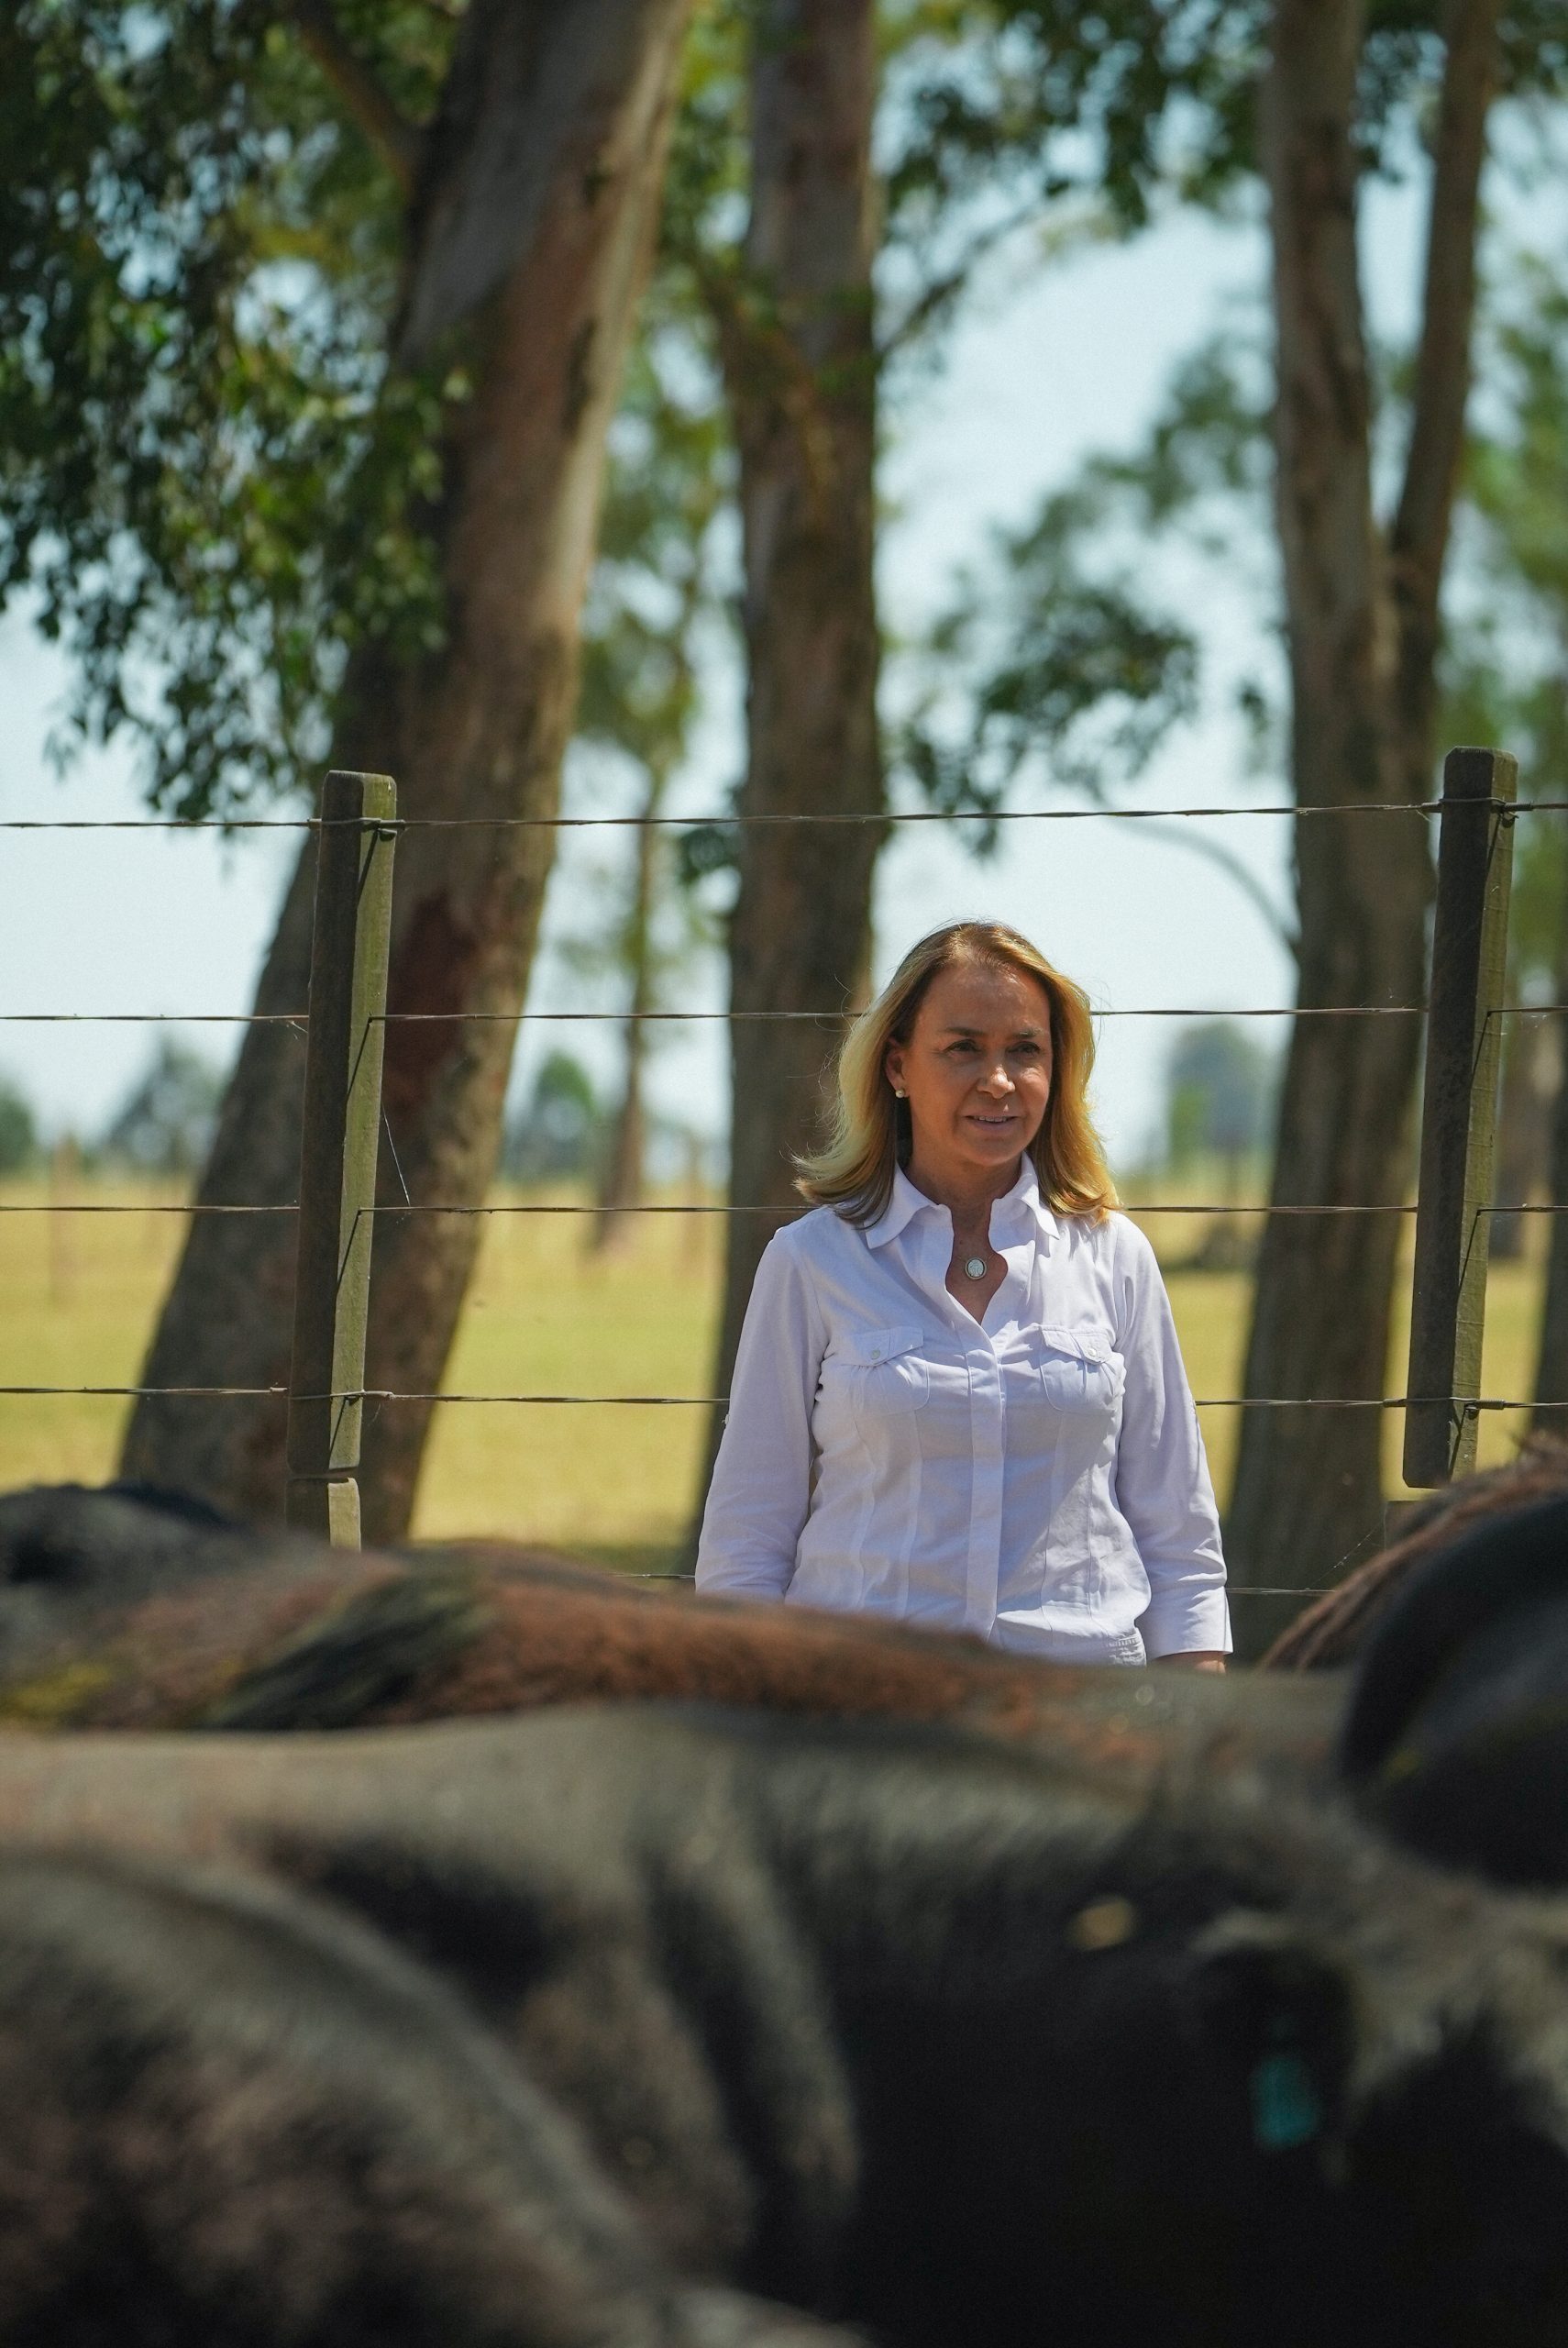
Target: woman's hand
x=1199, y=1659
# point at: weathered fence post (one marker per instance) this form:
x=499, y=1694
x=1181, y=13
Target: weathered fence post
x=1459, y=1116
x=338, y=1155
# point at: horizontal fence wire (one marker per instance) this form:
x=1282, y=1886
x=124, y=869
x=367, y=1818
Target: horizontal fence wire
x=731, y=820
x=1232, y=1589
x=118, y=1206
x=784, y=1215
x=301, y=1019
x=1158, y=1011
x=380, y=1394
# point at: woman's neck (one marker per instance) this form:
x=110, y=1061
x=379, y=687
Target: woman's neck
x=967, y=1196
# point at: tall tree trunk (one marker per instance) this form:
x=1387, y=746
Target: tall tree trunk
x=1524, y=1123
x=532, y=226
x=1552, y=1359
x=1363, y=632
x=620, y=1184
x=801, y=369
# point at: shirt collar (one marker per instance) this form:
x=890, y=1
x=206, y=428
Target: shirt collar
x=1017, y=1213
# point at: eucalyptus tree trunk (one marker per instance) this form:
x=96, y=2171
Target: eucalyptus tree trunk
x=621, y=1182
x=1524, y=1128
x=1552, y=1358
x=801, y=370
x=1363, y=621
x=530, y=230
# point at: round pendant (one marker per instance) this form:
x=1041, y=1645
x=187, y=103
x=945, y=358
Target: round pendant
x=975, y=1266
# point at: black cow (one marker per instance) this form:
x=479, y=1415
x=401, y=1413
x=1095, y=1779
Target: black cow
x=73, y=1557
x=909, y=2031
x=1334, y=1630
x=235, y=2119
x=1456, y=1732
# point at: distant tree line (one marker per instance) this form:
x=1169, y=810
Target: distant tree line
x=1220, y=1086
x=561, y=1128
x=162, y=1126
x=1216, y=1083
x=18, y=1129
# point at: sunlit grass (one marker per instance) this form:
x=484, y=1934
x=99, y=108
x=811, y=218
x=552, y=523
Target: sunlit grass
x=1211, y=1312
x=78, y=1295
x=545, y=1316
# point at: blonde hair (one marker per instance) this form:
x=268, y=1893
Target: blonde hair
x=854, y=1175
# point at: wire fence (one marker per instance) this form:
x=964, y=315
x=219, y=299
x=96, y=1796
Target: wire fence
x=322, y=1390
x=730, y=820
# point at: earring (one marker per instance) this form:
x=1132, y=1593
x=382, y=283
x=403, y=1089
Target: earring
x=899, y=1092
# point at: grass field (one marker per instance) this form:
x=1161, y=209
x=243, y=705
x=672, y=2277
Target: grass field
x=78, y=1295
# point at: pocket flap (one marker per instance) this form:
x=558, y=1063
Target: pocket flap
x=868, y=1346
x=1083, y=1344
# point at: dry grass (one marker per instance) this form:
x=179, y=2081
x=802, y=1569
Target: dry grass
x=78, y=1294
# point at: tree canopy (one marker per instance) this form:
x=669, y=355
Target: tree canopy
x=212, y=479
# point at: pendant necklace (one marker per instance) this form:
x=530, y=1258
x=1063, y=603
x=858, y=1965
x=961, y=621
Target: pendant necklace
x=975, y=1266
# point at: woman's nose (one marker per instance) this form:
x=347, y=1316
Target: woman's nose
x=997, y=1079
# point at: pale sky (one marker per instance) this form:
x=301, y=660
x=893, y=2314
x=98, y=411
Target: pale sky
x=1039, y=371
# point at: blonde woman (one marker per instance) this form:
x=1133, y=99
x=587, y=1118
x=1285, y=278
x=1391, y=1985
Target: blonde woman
x=959, y=1399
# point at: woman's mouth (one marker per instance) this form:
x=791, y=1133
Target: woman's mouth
x=993, y=1122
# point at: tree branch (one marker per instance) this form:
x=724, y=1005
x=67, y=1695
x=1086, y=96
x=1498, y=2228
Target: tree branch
x=1419, y=538
x=935, y=297
x=1227, y=861
x=395, y=138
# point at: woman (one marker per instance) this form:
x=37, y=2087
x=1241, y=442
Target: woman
x=958, y=1398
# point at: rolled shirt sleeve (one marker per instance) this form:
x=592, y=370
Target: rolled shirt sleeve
x=1162, y=1475
x=760, y=1493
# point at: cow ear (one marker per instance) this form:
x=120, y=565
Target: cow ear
x=1277, y=2022
x=1511, y=1565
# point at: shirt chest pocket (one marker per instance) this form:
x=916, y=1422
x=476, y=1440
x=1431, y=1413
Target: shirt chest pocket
x=884, y=1373
x=1080, y=1373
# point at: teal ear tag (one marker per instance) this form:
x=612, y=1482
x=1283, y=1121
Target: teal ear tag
x=1286, y=2112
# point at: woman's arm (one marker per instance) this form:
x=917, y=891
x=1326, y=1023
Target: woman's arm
x=760, y=1493
x=1162, y=1477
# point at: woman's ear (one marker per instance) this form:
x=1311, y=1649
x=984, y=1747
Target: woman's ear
x=893, y=1066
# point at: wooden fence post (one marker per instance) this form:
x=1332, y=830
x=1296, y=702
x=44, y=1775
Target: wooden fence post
x=337, y=1155
x=1459, y=1115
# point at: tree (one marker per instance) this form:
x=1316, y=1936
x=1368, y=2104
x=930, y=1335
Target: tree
x=1050, y=663
x=18, y=1129
x=164, y=1124
x=1218, y=1091
x=796, y=329
x=1511, y=685
x=654, y=603
x=559, y=1133
x=337, y=306
x=1362, y=631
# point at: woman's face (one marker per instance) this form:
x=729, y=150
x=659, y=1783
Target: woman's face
x=977, y=1070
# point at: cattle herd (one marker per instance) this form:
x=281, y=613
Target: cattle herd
x=452, y=1949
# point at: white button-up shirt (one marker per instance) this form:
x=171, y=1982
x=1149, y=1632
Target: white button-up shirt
x=1037, y=1477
